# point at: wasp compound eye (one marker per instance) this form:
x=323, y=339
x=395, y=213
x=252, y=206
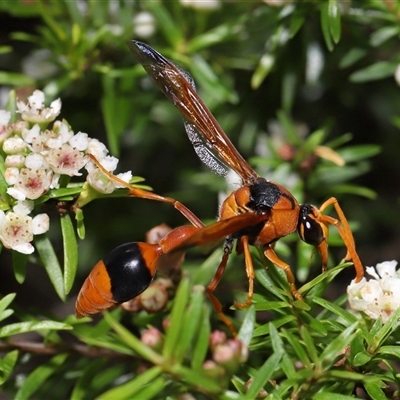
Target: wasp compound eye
x=309, y=228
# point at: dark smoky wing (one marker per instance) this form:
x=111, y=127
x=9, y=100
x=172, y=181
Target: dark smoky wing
x=210, y=142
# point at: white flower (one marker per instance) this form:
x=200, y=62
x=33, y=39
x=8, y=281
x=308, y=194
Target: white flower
x=80, y=141
x=11, y=175
x=17, y=194
x=124, y=176
x=63, y=129
x=35, y=111
x=17, y=229
x=380, y=296
x=110, y=163
x=14, y=145
x=30, y=134
x=201, y=4
x=40, y=224
x=16, y=232
x=31, y=184
x=15, y=160
x=55, y=181
x=97, y=149
x=397, y=75
x=5, y=117
x=66, y=160
x=24, y=207
x=144, y=24
x=100, y=181
x=35, y=161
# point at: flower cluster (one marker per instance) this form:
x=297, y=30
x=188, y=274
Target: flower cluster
x=35, y=159
x=380, y=296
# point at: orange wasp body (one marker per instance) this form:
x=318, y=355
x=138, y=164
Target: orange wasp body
x=258, y=213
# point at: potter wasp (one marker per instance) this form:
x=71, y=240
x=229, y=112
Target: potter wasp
x=259, y=213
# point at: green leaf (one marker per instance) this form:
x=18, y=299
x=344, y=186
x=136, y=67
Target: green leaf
x=15, y=79
x=354, y=189
x=334, y=20
x=5, y=314
x=309, y=344
x=19, y=265
x=352, y=56
x=361, y=359
x=80, y=223
x=270, y=305
x=134, y=386
x=296, y=22
x=246, y=330
x=374, y=389
x=315, y=324
x=85, y=382
x=29, y=326
x=212, y=37
x=200, y=347
x=312, y=141
x=339, y=311
x=359, y=152
x=383, y=34
x=325, y=25
x=192, y=320
x=166, y=23
x=75, y=13
x=50, y=263
x=3, y=185
x=151, y=390
x=264, y=373
x=210, y=82
x=5, y=49
x=298, y=348
x=7, y=365
x=11, y=106
x=392, y=351
x=132, y=341
x=39, y=376
x=174, y=332
x=266, y=63
x=6, y=301
x=379, y=70
x=385, y=331
x=195, y=378
x=331, y=396
x=111, y=107
x=264, y=329
x=70, y=247
x=289, y=87
x=333, y=349
x=289, y=128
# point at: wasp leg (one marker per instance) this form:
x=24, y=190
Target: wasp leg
x=145, y=194
x=271, y=255
x=214, y=283
x=345, y=233
x=244, y=246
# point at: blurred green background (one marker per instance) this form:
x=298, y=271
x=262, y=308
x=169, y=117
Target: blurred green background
x=265, y=69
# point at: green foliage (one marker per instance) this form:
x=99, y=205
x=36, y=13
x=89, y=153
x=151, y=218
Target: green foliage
x=308, y=73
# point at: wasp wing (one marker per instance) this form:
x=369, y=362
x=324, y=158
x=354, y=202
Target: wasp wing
x=210, y=142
